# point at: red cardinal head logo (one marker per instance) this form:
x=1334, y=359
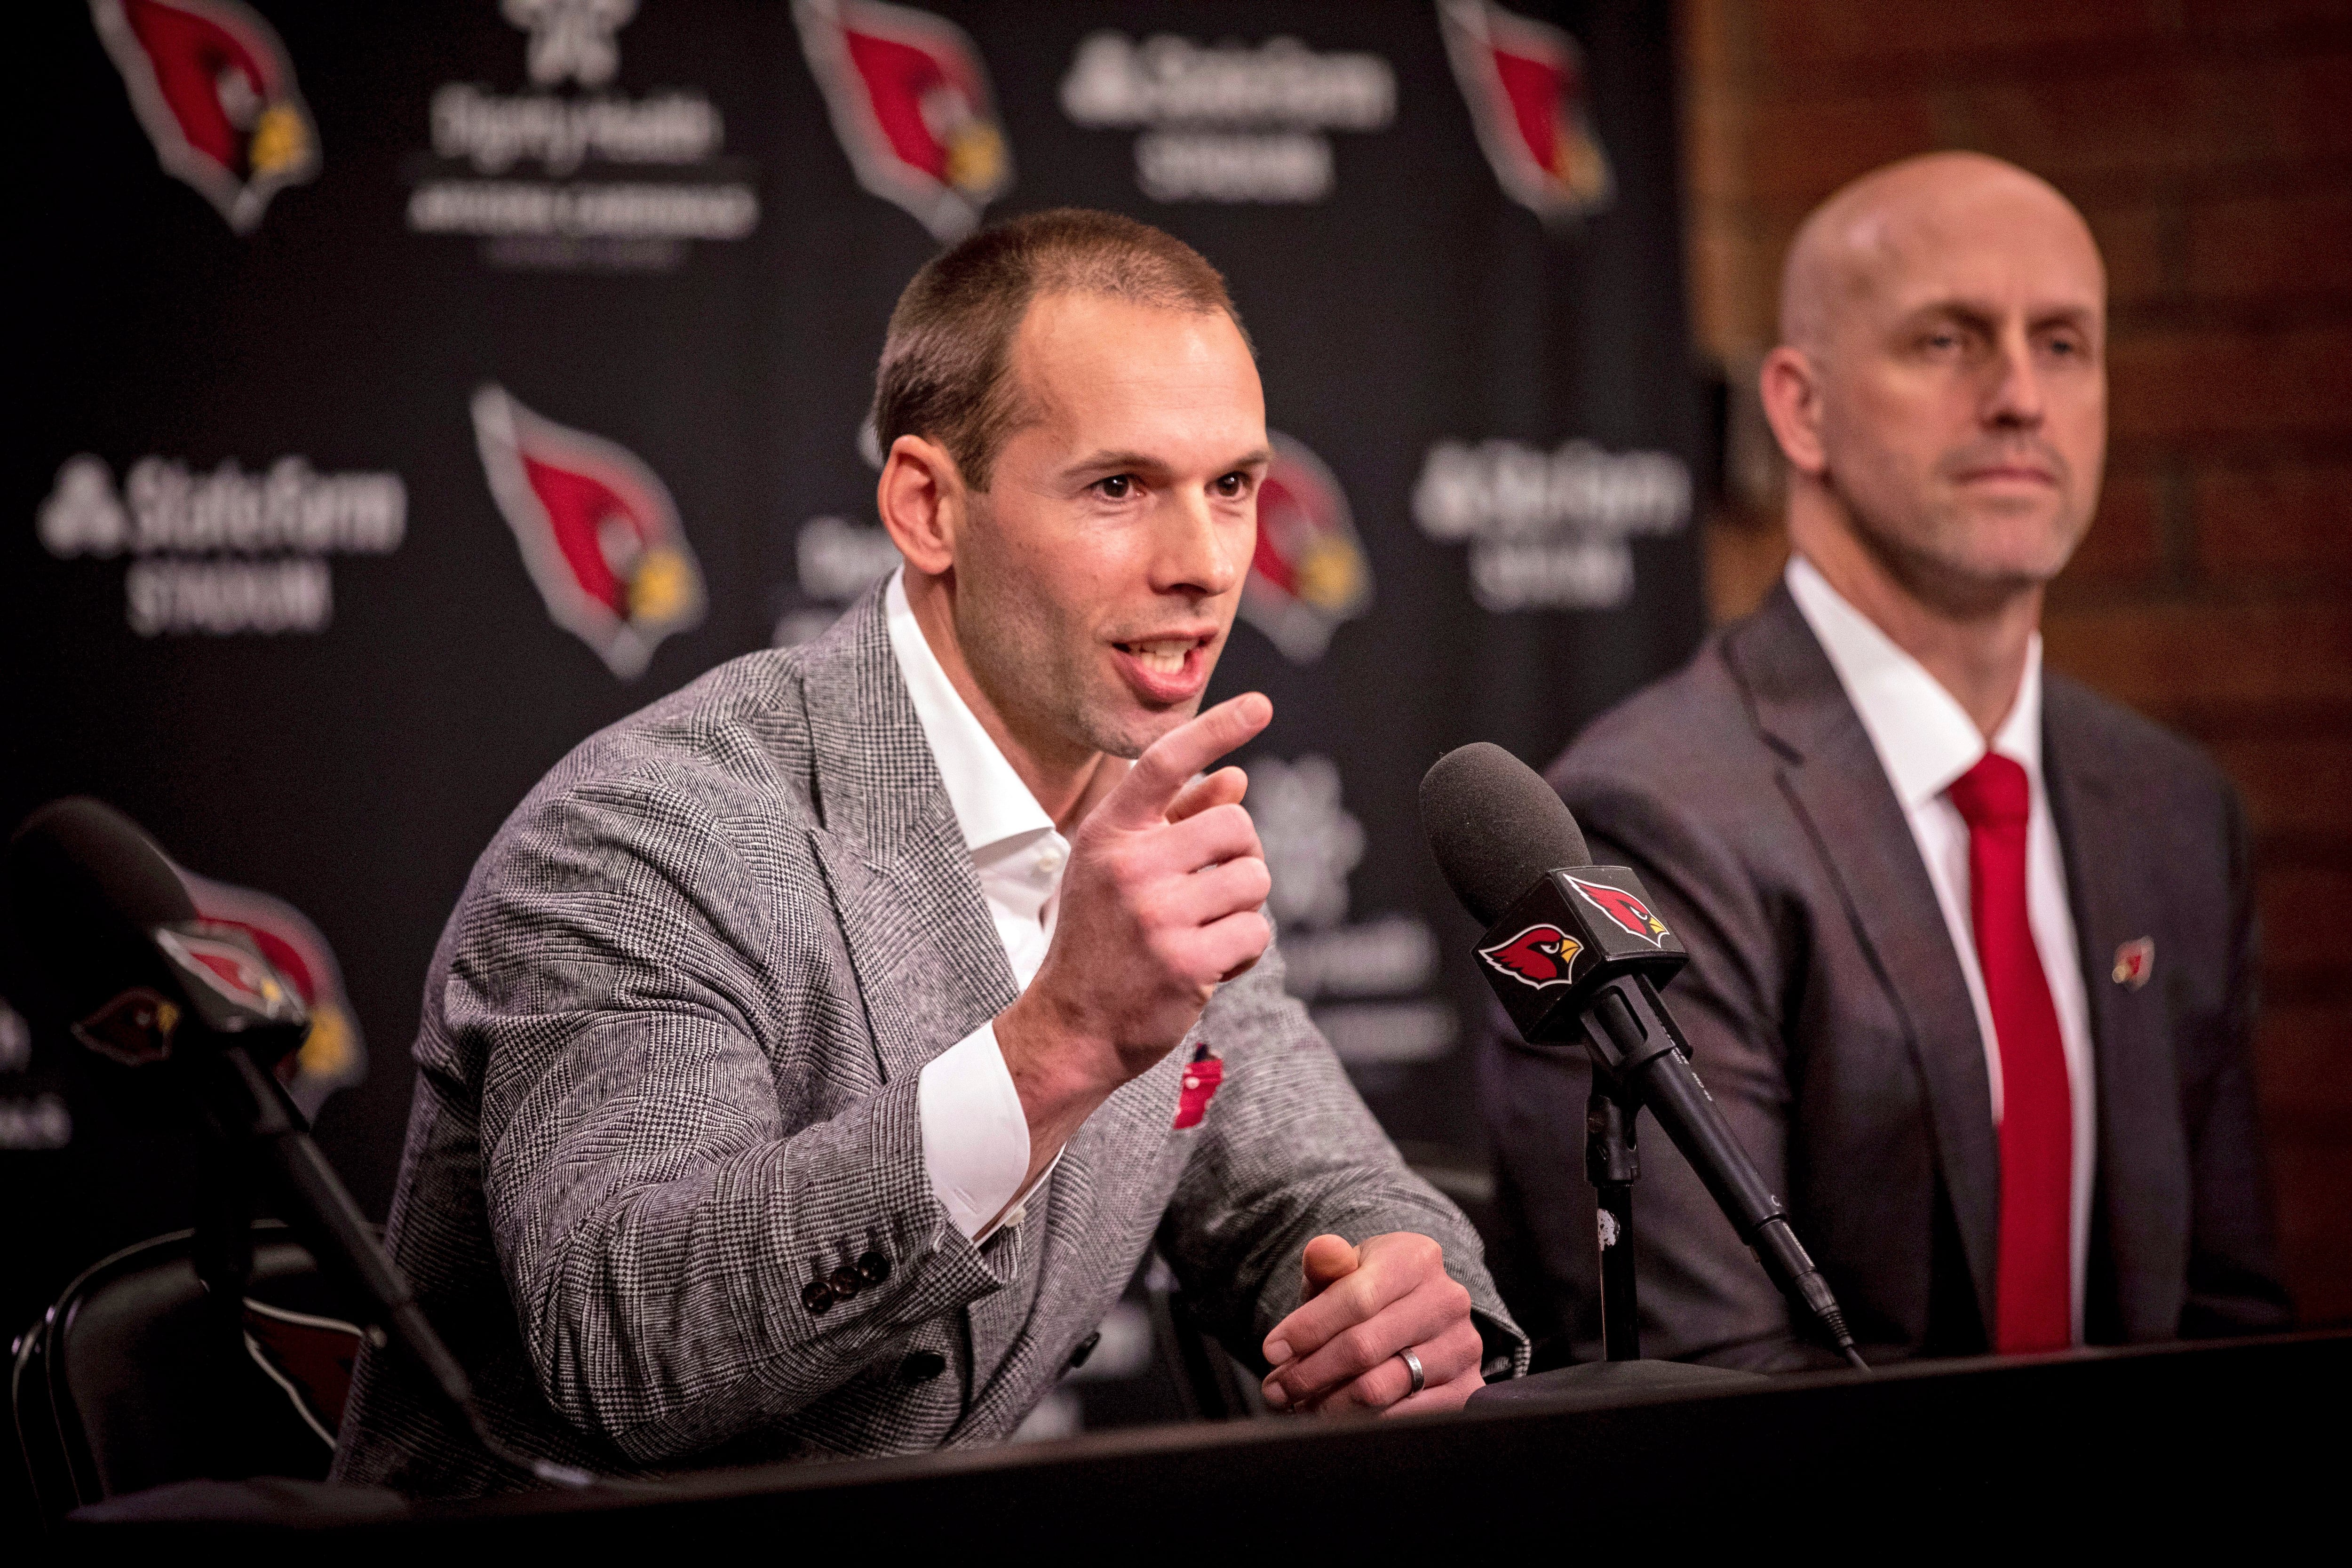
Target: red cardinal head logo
x=333, y=1056
x=213, y=89
x=598, y=532
x=1539, y=956
x=1309, y=573
x=910, y=101
x=1623, y=910
x=1525, y=83
x=219, y=956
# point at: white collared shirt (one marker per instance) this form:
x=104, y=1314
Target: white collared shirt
x=975, y=1135
x=1925, y=740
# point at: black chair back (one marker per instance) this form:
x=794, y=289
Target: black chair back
x=135, y=1377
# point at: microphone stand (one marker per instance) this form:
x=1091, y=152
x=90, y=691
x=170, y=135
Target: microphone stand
x=1639, y=1061
x=1611, y=1163
x=249, y=1112
x=1620, y=1049
x=1577, y=958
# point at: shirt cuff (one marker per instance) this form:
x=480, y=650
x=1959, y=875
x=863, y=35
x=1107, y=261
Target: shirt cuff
x=975, y=1134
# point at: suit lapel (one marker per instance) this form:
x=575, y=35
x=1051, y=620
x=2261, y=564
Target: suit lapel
x=1833, y=778
x=930, y=966
x=2143, y=1203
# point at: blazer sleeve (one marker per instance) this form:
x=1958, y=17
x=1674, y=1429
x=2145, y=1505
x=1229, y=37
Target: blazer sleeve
x=1290, y=1151
x=1704, y=1296
x=655, y=1221
x=2233, y=1278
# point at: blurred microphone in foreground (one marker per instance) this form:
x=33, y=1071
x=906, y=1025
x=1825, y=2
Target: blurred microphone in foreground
x=113, y=952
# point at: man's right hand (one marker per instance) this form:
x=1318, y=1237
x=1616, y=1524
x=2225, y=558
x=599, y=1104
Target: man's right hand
x=1161, y=902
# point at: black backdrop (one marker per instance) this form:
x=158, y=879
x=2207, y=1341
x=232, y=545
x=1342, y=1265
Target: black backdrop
x=1500, y=397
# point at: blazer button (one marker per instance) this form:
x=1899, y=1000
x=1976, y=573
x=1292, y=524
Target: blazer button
x=921, y=1366
x=1086, y=1348
x=874, y=1269
x=816, y=1294
x=845, y=1283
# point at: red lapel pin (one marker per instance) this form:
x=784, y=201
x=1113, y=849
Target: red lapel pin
x=2134, y=962
x=1202, y=1075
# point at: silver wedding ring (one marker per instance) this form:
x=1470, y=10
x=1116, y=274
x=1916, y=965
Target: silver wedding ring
x=1412, y=1365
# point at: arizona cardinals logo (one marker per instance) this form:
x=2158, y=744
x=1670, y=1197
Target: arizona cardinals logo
x=1309, y=573
x=212, y=85
x=333, y=1056
x=1626, y=913
x=2135, y=962
x=1538, y=957
x=910, y=101
x=1525, y=83
x=598, y=532
x=221, y=958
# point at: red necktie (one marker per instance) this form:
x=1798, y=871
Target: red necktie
x=2034, y=1295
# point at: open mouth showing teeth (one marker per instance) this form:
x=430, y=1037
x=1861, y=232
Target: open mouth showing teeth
x=1162, y=658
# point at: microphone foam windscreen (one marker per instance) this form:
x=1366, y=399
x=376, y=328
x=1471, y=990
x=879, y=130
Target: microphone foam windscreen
x=85, y=886
x=1495, y=826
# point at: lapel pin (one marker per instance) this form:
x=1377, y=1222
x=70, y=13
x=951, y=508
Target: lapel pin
x=2133, y=960
x=1203, y=1074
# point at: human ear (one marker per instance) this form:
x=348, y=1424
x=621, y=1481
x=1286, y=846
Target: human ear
x=921, y=499
x=1791, y=395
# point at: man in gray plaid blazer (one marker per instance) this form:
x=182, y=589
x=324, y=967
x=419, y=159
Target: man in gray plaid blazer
x=813, y=1055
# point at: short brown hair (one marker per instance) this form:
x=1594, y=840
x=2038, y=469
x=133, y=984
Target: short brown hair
x=946, y=362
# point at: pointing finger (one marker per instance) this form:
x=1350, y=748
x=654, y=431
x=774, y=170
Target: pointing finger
x=1144, y=796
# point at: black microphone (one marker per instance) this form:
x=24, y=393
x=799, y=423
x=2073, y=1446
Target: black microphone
x=113, y=949
x=1575, y=954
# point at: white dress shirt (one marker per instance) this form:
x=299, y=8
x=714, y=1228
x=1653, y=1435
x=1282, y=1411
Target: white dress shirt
x=975, y=1135
x=1925, y=740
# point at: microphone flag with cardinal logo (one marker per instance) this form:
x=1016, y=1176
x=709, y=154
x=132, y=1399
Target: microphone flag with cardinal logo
x=909, y=97
x=1539, y=955
x=1309, y=573
x=1524, y=80
x=599, y=532
x=333, y=1055
x=214, y=92
x=1570, y=935
x=1625, y=910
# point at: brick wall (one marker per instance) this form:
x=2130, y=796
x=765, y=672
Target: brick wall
x=2209, y=143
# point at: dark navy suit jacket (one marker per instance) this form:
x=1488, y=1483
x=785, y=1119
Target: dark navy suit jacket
x=1826, y=1011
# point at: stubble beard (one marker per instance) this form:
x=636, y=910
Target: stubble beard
x=1943, y=552
x=1037, y=671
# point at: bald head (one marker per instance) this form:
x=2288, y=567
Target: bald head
x=1893, y=224
x=1940, y=387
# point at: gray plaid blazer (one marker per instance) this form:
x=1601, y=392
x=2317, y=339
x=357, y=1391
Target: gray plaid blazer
x=665, y=1080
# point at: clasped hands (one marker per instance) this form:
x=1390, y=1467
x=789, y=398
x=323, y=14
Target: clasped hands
x=1338, y=1355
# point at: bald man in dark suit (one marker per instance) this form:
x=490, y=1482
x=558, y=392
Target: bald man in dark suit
x=1973, y=948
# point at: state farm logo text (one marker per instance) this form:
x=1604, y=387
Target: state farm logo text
x=1548, y=531
x=1233, y=123
x=224, y=551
